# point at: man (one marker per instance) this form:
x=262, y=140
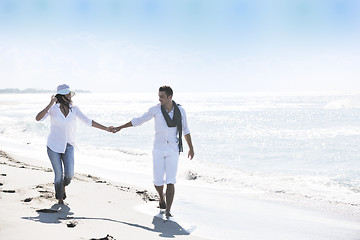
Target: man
x=170, y=120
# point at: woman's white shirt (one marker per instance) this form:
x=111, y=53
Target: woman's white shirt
x=63, y=129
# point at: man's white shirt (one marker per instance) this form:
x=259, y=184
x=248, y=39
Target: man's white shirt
x=165, y=136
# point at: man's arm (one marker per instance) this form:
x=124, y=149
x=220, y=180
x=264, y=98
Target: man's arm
x=126, y=125
x=138, y=121
x=191, y=148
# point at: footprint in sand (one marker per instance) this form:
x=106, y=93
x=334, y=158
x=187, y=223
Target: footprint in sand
x=46, y=211
x=100, y=181
x=8, y=191
x=44, y=192
x=71, y=224
x=27, y=200
x=108, y=237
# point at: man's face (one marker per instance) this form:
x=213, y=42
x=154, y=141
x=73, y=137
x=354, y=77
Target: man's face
x=163, y=98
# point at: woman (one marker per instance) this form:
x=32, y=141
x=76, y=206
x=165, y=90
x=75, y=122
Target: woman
x=60, y=143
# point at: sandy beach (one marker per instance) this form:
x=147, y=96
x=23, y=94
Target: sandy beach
x=94, y=208
x=97, y=208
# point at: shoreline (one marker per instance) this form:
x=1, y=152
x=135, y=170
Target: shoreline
x=98, y=207
x=94, y=209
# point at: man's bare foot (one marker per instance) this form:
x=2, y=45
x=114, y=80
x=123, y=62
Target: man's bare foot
x=162, y=205
x=168, y=214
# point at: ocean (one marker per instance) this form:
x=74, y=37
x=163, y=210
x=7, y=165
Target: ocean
x=300, y=149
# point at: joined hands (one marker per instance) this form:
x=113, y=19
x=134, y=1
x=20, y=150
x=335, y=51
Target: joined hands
x=113, y=129
x=109, y=129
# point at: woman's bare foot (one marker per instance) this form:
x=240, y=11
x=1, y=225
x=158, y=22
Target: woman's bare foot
x=168, y=214
x=64, y=193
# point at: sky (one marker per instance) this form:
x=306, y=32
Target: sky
x=192, y=45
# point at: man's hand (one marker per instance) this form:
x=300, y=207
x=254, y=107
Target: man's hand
x=191, y=154
x=191, y=148
x=116, y=129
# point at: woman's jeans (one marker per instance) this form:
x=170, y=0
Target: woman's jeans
x=62, y=178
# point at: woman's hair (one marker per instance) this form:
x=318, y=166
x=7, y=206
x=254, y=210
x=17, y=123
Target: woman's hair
x=63, y=100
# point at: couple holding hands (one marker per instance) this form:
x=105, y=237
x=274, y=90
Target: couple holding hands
x=170, y=125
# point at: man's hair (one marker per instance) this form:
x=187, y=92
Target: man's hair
x=167, y=90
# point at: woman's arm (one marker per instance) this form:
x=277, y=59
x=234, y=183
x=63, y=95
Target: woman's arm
x=42, y=113
x=102, y=127
x=90, y=122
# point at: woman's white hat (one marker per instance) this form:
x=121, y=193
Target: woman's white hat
x=64, y=89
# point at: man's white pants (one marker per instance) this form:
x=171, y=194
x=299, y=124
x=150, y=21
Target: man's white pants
x=165, y=164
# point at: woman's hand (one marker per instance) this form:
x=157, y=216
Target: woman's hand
x=42, y=113
x=53, y=100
